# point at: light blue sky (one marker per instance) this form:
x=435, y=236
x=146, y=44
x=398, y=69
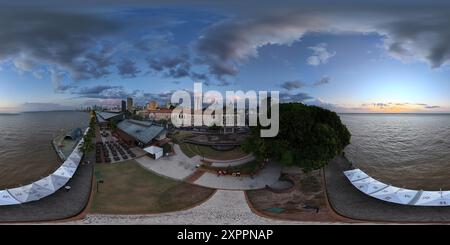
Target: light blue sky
x=152, y=50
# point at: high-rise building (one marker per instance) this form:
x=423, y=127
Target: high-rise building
x=124, y=106
x=130, y=104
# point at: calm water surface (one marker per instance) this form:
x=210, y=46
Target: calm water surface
x=26, y=153
x=406, y=150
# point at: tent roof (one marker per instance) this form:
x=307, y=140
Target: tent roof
x=153, y=149
x=64, y=171
x=355, y=174
x=21, y=193
x=7, y=199
x=432, y=198
x=143, y=131
x=47, y=183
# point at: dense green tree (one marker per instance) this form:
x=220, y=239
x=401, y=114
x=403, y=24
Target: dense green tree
x=309, y=137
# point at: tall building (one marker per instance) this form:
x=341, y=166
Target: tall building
x=130, y=104
x=153, y=105
x=124, y=106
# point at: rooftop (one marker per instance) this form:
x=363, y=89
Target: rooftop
x=103, y=116
x=143, y=131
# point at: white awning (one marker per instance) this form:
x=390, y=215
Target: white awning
x=389, y=194
x=59, y=181
x=7, y=199
x=64, y=171
x=21, y=193
x=355, y=175
x=47, y=183
x=75, y=157
x=70, y=163
x=154, y=150
x=432, y=198
x=406, y=195
x=363, y=184
x=37, y=192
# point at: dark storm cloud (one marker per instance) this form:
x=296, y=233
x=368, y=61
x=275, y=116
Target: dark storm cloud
x=289, y=85
x=322, y=81
x=57, y=37
x=102, y=92
x=128, y=68
x=173, y=66
x=415, y=31
x=294, y=97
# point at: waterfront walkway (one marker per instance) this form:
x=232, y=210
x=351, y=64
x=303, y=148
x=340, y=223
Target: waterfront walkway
x=223, y=208
x=60, y=205
x=350, y=202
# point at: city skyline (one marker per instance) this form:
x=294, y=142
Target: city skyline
x=358, y=57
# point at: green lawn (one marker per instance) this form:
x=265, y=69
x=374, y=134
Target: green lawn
x=245, y=169
x=130, y=189
x=192, y=150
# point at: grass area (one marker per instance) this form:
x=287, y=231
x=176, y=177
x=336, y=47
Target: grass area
x=192, y=150
x=130, y=189
x=209, y=152
x=188, y=149
x=178, y=135
x=245, y=169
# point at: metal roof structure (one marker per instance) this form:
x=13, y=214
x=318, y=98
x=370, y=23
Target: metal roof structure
x=103, y=116
x=142, y=131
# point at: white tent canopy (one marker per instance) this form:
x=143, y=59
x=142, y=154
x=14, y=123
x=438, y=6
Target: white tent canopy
x=7, y=199
x=432, y=198
x=21, y=193
x=70, y=163
x=388, y=194
x=59, y=181
x=355, y=175
x=406, y=195
x=64, y=171
x=46, y=186
x=381, y=191
x=47, y=183
x=154, y=150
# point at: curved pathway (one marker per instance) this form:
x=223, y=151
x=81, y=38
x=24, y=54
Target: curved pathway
x=223, y=208
x=231, y=163
x=181, y=167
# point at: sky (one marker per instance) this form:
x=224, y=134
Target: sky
x=358, y=56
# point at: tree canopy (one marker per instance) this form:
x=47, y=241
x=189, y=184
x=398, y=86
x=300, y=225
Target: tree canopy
x=309, y=137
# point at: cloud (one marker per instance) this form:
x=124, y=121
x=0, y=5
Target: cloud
x=398, y=107
x=289, y=85
x=287, y=97
x=320, y=55
x=102, y=92
x=128, y=68
x=65, y=39
x=409, y=32
x=30, y=107
x=322, y=81
x=177, y=66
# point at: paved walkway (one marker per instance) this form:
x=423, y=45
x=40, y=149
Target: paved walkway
x=231, y=163
x=177, y=166
x=267, y=176
x=180, y=167
x=350, y=202
x=224, y=208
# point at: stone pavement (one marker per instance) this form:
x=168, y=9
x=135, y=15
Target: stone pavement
x=223, y=208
